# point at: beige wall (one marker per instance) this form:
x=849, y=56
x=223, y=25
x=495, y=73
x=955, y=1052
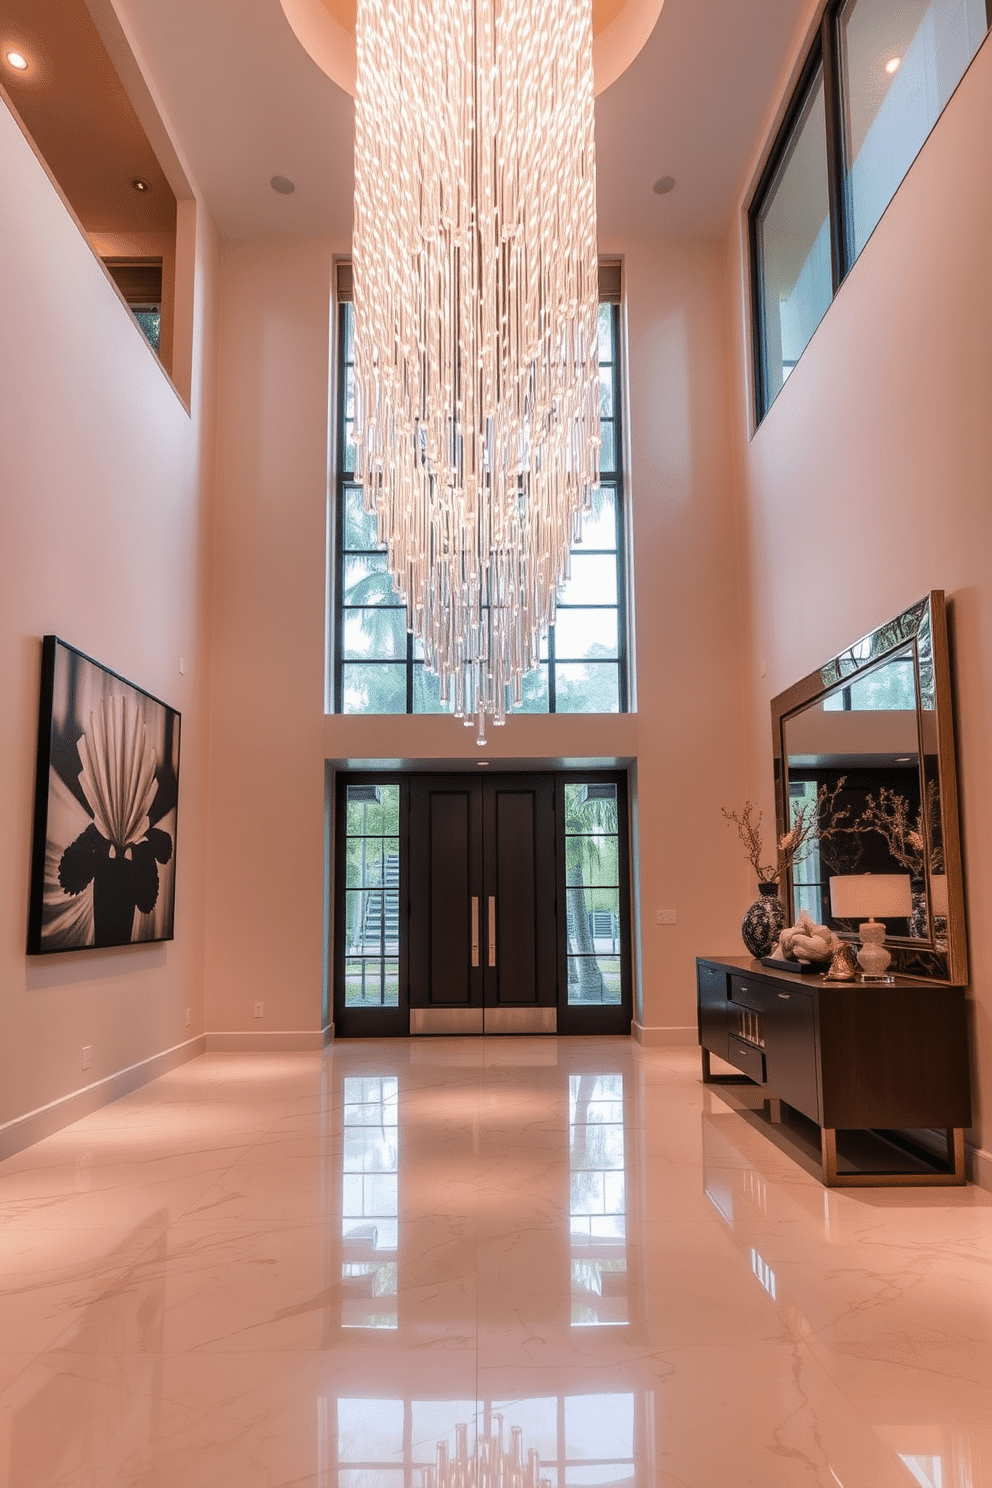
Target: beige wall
x=265, y=891
x=102, y=542
x=689, y=628
x=868, y=482
x=269, y=737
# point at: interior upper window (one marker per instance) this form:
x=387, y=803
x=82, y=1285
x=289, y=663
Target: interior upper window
x=872, y=87
x=792, y=237
x=377, y=666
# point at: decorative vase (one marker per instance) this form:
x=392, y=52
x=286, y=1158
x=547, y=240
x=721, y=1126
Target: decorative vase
x=764, y=921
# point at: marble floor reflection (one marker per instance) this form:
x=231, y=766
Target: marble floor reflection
x=477, y=1262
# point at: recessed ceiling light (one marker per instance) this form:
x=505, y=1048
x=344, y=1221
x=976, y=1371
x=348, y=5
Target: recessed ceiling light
x=140, y=184
x=663, y=185
x=482, y=764
x=893, y=64
x=283, y=185
x=16, y=60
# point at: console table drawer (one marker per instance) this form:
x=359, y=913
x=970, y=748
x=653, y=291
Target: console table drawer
x=712, y=982
x=745, y=1057
x=712, y=1003
x=762, y=997
x=783, y=1020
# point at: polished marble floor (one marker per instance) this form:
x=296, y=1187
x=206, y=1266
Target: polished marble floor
x=349, y=1270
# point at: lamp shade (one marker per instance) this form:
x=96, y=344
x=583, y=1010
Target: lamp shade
x=863, y=896
x=938, y=893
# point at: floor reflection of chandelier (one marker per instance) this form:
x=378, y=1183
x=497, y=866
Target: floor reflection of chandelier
x=492, y=1465
x=475, y=304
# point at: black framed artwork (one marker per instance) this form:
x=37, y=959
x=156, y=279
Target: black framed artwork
x=106, y=800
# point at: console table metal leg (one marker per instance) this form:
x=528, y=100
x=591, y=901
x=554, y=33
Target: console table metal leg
x=955, y=1166
x=828, y=1152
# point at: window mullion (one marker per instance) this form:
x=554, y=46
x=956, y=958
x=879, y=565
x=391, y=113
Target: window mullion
x=551, y=670
x=336, y=616
x=759, y=323
x=409, y=671
x=833, y=104
x=619, y=543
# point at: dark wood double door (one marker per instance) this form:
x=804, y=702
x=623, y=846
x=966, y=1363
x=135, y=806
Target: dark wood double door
x=483, y=914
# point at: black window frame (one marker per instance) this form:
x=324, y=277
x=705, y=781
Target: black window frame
x=612, y=478
x=825, y=53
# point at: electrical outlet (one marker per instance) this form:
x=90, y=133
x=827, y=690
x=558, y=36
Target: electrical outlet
x=87, y=1055
x=259, y=1010
x=666, y=917
x=189, y=1016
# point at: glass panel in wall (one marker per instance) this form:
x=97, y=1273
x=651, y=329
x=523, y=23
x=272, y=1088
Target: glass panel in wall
x=901, y=60
x=371, y=896
x=592, y=893
x=793, y=244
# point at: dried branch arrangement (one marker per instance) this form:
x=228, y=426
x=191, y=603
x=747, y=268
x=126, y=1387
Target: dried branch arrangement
x=815, y=821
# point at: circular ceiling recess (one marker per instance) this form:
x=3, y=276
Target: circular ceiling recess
x=326, y=29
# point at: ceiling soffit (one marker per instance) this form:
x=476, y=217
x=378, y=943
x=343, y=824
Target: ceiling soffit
x=326, y=29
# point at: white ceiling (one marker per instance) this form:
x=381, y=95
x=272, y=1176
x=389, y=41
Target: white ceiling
x=249, y=103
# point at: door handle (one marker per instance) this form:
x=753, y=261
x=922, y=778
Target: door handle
x=475, y=929
x=492, y=929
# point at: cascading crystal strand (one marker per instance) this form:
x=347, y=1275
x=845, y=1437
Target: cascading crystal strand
x=475, y=314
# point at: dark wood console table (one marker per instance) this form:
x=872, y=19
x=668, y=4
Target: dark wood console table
x=889, y=1057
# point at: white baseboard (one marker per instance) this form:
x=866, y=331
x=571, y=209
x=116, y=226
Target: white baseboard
x=33, y=1126
x=979, y=1164
x=662, y=1037
x=279, y=1040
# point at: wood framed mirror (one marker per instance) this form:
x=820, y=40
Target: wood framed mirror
x=866, y=744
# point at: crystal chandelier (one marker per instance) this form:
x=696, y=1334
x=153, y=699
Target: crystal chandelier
x=475, y=304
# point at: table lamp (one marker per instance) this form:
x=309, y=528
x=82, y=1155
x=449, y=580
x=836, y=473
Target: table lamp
x=869, y=898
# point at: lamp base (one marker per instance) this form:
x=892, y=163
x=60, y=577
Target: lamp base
x=873, y=958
